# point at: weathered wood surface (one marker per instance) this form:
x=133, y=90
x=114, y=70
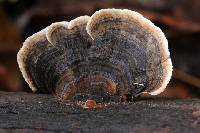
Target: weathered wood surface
x=23, y=112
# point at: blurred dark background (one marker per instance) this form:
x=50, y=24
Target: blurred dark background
x=179, y=20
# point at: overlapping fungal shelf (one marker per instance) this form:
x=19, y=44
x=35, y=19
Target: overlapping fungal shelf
x=114, y=52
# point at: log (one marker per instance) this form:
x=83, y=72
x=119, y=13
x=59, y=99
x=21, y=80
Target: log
x=27, y=112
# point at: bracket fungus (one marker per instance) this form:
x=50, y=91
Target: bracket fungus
x=114, y=53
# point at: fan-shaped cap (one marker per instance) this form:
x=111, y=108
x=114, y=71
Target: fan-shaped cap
x=114, y=52
x=133, y=26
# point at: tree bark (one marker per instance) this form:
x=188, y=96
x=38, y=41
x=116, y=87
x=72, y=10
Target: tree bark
x=27, y=112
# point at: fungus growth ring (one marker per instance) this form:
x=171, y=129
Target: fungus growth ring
x=114, y=53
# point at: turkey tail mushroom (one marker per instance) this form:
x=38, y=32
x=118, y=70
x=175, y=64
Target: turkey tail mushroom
x=141, y=46
x=113, y=53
